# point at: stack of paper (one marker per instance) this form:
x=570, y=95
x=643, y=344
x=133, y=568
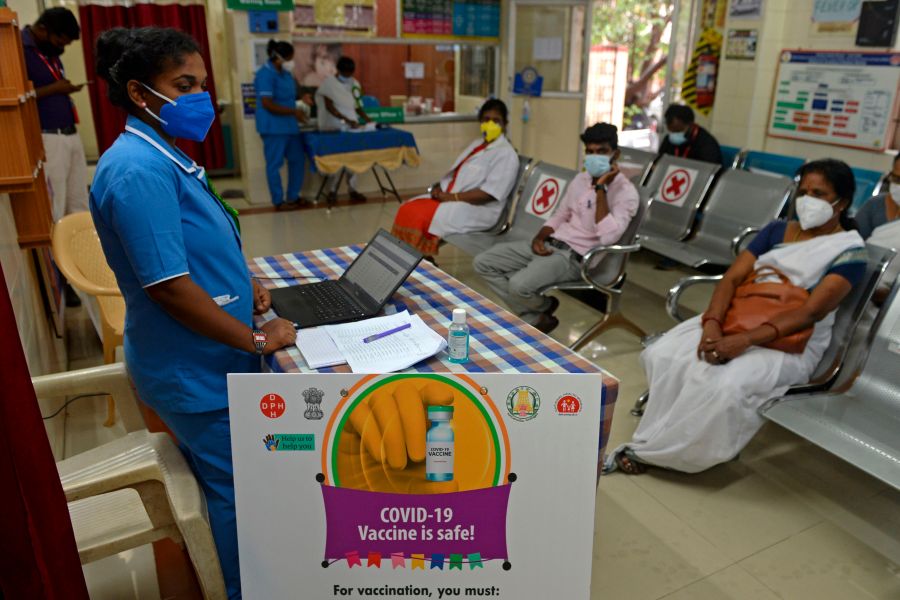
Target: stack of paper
x=336, y=344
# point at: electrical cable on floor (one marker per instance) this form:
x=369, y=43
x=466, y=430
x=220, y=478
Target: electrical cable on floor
x=71, y=400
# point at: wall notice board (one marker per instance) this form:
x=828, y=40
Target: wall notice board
x=841, y=98
x=451, y=18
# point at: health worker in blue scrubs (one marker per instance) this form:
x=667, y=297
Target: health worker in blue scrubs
x=277, y=119
x=175, y=248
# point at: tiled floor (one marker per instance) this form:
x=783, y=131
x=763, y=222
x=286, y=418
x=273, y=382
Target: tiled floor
x=786, y=520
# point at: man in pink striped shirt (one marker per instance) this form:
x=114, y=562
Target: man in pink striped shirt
x=596, y=209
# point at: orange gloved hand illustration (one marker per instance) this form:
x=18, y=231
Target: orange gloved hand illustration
x=382, y=445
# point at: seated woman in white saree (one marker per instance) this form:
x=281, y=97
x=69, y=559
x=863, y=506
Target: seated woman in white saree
x=706, y=387
x=471, y=196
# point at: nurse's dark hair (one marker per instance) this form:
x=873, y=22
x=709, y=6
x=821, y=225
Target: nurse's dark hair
x=840, y=176
x=283, y=49
x=494, y=104
x=345, y=64
x=139, y=54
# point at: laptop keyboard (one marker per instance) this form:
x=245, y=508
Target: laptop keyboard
x=327, y=301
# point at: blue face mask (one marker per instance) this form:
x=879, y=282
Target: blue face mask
x=188, y=117
x=343, y=79
x=596, y=164
x=677, y=137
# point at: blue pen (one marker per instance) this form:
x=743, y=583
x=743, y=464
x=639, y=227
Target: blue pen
x=383, y=334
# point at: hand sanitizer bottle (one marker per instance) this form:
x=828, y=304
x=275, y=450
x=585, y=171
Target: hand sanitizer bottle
x=458, y=337
x=439, y=444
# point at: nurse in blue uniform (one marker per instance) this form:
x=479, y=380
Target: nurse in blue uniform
x=276, y=121
x=175, y=248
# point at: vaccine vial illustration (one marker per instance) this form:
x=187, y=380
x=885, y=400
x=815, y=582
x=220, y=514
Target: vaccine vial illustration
x=439, y=444
x=458, y=337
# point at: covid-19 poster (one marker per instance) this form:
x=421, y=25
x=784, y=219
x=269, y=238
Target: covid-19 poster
x=415, y=485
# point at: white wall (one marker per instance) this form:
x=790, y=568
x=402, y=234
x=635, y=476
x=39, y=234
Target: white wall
x=745, y=88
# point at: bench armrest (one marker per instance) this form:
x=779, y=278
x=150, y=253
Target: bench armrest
x=674, y=294
x=608, y=249
x=738, y=240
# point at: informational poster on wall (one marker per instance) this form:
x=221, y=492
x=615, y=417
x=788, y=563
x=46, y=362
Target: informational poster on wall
x=842, y=98
x=835, y=16
x=334, y=17
x=415, y=485
x=451, y=18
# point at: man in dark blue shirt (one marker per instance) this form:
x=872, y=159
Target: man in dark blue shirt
x=65, y=165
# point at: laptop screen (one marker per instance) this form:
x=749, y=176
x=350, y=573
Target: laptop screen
x=381, y=267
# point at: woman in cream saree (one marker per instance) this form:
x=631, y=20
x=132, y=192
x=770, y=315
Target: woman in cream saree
x=706, y=387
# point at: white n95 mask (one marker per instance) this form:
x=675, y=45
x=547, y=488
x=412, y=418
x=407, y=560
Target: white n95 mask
x=814, y=212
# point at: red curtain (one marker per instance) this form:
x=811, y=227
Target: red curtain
x=38, y=556
x=109, y=121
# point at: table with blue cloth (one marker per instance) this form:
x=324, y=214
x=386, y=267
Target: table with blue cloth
x=500, y=341
x=331, y=152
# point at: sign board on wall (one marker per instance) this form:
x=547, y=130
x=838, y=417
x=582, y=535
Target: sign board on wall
x=741, y=44
x=842, y=98
x=280, y=5
x=335, y=17
x=359, y=486
x=450, y=18
x=830, y=16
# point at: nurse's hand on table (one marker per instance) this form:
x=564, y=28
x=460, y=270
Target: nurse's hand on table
x=280, y=332
x=262, y=301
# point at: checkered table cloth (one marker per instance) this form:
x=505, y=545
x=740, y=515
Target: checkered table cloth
x=499, y=342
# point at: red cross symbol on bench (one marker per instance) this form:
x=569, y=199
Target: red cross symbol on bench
x=545, y=196
x=546, y=193
x=676, y=185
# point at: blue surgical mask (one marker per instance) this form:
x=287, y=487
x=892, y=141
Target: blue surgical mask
x=343, y=79
x=677, y=137
x=596, y=164
x=188, y=117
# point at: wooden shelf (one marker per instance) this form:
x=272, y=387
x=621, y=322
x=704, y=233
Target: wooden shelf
x=22, y=149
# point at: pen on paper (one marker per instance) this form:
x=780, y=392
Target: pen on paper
x=383, y=334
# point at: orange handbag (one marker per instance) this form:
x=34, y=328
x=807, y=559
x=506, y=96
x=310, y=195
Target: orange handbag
x=754, y=303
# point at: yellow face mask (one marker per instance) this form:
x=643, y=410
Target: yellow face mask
x=491, y=131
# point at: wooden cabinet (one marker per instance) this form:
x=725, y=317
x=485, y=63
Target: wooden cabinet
x=21, y=150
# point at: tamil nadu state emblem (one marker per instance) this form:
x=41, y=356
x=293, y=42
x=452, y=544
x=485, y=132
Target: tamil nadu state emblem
x=523, y=403
x=313, y=399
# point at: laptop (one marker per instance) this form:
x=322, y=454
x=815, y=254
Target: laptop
x=360, y=293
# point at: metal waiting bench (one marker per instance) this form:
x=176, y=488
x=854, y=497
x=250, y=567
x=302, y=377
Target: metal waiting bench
x=603, y=271
x=732, y=157
x=674, y=220
x=636, y=164
x=868, y=184
x=523, y=223
x=739, y=205
x=848, y=316
x=862, y=424
x=766, y=162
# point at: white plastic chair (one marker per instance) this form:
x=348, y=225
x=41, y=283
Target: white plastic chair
x=110, y=379
x=134, y=490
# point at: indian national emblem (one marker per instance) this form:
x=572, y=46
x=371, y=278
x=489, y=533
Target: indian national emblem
x=313, y=399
